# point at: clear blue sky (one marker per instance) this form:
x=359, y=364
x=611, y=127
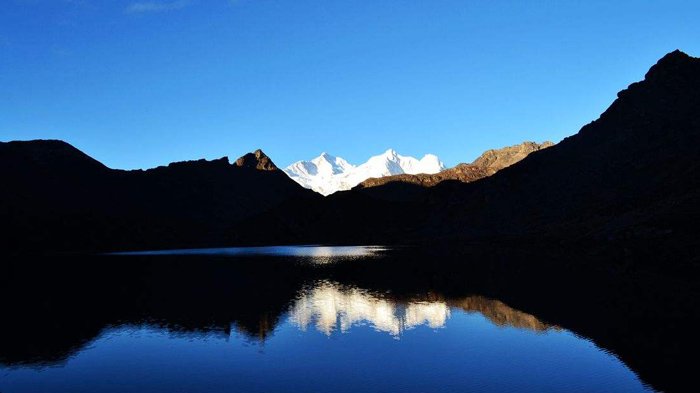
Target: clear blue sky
x=141, y=83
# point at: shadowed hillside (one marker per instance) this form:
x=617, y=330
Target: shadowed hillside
x=631, y=174
x=57, y=198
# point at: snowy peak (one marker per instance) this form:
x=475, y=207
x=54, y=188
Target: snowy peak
x=430, y=161
x=392, y=163
x=390, y=153
x=328, y=165
x=327, y=174
x=324, y=165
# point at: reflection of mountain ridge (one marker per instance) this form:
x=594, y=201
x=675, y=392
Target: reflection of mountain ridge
x=500, y=314
x=333, y=307
x=166, y=294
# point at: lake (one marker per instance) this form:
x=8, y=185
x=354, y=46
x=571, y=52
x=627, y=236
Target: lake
x=234, y=320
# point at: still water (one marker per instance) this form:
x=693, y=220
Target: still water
x=326, y=336
x=315, y=253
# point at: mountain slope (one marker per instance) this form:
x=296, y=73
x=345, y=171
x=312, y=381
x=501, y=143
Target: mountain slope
x=631, y=174
x=327, y=174
x=57, y=198
x=487, y=164
x=494, y=160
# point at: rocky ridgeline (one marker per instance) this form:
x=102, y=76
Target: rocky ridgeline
x=490, y=162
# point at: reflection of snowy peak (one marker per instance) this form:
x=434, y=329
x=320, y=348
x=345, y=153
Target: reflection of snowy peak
x=330, y=308
x=327, y=174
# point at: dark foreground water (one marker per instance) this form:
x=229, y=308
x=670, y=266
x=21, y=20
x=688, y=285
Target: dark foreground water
x=278, y=324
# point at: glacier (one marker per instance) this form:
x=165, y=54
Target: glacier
x=327, y=174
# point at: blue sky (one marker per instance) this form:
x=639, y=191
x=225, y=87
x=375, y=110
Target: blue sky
x=141, y=83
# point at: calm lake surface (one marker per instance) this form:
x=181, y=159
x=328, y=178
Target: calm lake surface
x=315, y=253
x=185, y=327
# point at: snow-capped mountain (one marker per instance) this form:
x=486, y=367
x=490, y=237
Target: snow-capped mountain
x=327, y=174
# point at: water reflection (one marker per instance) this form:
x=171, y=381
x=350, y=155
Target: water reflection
x=500, y=314
x=121, y=316
x=332, y=307
x=469, y=350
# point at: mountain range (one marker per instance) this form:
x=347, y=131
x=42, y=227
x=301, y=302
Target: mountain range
x=625, y=185
x=327, y=174
x=628, y=179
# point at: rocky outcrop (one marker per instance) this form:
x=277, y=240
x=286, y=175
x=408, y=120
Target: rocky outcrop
x=256, y=160
x=494, y=160
x=486, y=165
x=462, y=172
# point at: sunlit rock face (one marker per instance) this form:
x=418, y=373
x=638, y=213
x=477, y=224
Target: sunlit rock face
x=330, y=307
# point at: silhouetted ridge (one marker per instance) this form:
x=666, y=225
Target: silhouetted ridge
x=664, y=90
x=631, y=174
x=201, y=163
x=55, y=197
x=50, y=155
x=256, y=160
x=675, y=62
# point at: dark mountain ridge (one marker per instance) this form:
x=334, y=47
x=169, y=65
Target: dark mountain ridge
x=57, y=198
x=632, y=172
